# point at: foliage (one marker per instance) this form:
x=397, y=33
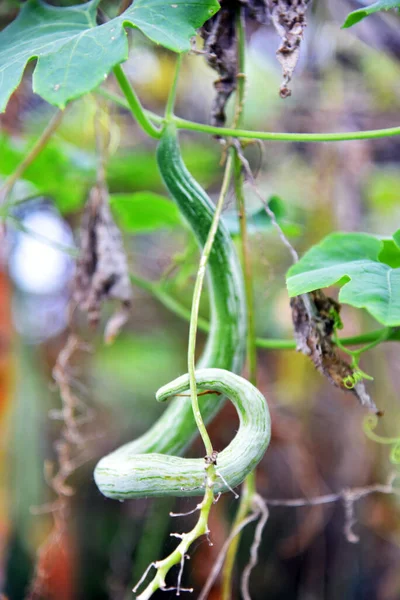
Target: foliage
x=358, y=15
x=144, y=211
x=366, y=266
x=62, y=172
x=74, y=55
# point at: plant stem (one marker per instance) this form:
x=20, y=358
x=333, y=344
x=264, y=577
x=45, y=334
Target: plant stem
x=241, y=69
x=39, y=145
x=201, y=527
x=20, y=226
x=169, y=109
x=240, y=201
x=196, y=304
x=134, y=104
x=266, y=343
x=153, y=536
x=176, y=557
x=249, y=486
x=168, y=301
x=247, y=272
x=286, y=137
x=354, y=340
x=344, y=136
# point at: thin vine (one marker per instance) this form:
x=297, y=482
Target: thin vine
x=201, y=528
x=249, y=486
x=36, y=149
x=141, y=114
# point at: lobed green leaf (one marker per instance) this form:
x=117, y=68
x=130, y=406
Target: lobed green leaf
x=74, y=55
x=366, y=266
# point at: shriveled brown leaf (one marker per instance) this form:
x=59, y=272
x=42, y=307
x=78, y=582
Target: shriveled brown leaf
x=102, y=269
x=314, y=339
x=219, y=34
x=257, y=10
x=289, y=19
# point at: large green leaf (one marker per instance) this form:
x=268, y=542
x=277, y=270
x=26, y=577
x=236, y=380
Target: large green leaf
x=357, y=15
x=74, y=55
x=144, y=211
x=366, y=266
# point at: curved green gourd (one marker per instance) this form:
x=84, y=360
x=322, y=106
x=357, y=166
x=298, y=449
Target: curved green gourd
x=225, y=348
x=161, y=475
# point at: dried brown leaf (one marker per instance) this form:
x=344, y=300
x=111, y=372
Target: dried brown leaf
x=257, y=10
x=313, y=336
x=289, y=19
x=219, y=36
x=102, y=269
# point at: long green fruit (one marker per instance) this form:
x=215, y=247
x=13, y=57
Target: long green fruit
x=162, y=475
x=225, y=348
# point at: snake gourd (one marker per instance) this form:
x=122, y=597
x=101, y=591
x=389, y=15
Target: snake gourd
x=162, y=475
x=122, y=474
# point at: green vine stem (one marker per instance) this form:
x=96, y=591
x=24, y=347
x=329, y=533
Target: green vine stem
x=369, y=424
x=149, y=116
x=39, y=145
x=287, y=137
x=247, y=271
x=249, y=485
x=169, y=109
x=134, y=105
x=159, y=292
x=198, y=287
x=201, y=527
x=358, y=374
x=178, y=555
x=240, y=202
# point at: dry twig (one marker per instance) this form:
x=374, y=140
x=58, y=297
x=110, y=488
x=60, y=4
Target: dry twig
x=71, y=453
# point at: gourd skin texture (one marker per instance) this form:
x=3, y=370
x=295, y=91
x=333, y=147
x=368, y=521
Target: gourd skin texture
x=225, y=348
x=161, y=475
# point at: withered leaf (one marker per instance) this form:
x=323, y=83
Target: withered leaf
x=220, y=37
x=257, y=10
x=102, y=270
x=314, y=316
x=219, y=34
x=289, y=19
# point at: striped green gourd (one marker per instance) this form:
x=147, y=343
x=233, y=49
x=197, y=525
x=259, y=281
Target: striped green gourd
x=162, y=475
x=225, y=348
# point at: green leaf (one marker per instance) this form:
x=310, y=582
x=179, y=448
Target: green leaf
x=390, y=253
x=396, y=237
x=365, y=265
x=144, y=211
x=74, y=55
x=357, y=15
